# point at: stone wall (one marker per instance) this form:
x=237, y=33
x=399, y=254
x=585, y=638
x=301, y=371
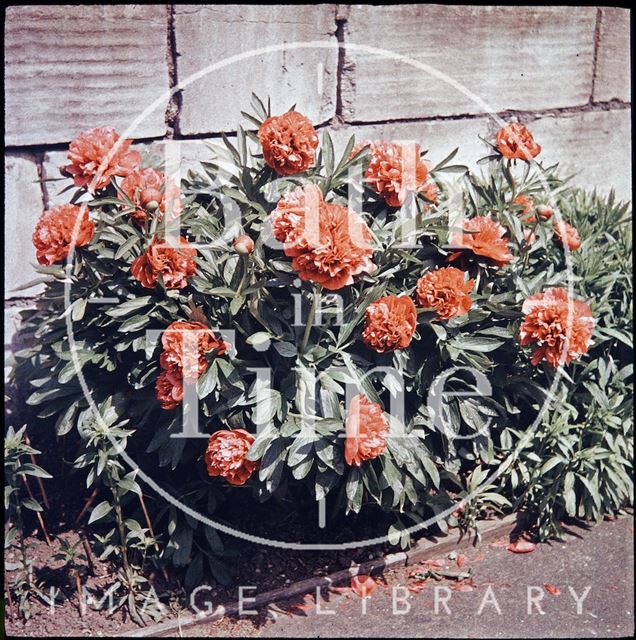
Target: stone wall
x=431, y=73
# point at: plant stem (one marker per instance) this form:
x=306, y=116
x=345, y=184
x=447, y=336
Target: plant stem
x=122, y=531
x=310, y=318
x=80, y=599
x=45, y=498
x=87, y=550
x=89, y=502
x=38, y=514
x=7, y=588
x=23, y=547
x=148, y=522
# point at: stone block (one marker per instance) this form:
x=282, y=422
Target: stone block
x=613, y=77
x=72, y=68
x=413, y=61
x=23, y=205
x=303, y=74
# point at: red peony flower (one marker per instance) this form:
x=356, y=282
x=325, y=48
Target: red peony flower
x=152, y=193
x=226, y=456
x=298, y=209
x=486, y=239
x=169, y=388
x=567, y=235
x=174, y=265
x=394, y=171
x=367, y=431
x=94, y=159
x=185, y=344
x=60, y=228
x=337, y=250
x=431, y=192
x=560, y=327
x=445, y=290
x=528, y=208
x=289, y=143
x=390, y=323
x=515, y=142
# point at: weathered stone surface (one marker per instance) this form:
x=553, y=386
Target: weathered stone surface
x=595, y=145
x=509, y=57
x=55, y=182
x=10, y=327
x=71, y=68
x=12, y=340
x=305, y=76
x=22, y=207
x=190, y=153
x=613, y=77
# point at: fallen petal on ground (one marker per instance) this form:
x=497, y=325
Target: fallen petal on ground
x=363, y=585
x=551, y=589
x=521, y=546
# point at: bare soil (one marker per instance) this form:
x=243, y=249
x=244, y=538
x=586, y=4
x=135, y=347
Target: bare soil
x=261, y=566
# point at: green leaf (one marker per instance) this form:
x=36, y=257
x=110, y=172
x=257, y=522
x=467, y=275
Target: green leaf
x=259, y=338
x=236, y=304
x=79, y=308
x=181, y=542
x=302, y=470
x=354, y=488
x=214, y=541
x=100, y=511
x=30, y=469
x=66, y=420
x=286, y=349
x=475, y=343
x=128, y=307
x=445, y=161
x=592, y=489
x=126, y=247
x=431, y=469
x=134, y=324
x=208, y=381
x=394, y=534
x=194, y=574
x=261, y=443
x=32, y=504
x=328, y=154
x=127, y=483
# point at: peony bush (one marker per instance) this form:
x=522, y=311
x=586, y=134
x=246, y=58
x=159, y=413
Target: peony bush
x=376, y=330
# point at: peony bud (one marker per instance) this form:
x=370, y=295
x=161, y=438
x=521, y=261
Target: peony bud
x=545, y=212
x=244, y=244
x=150, y=199
x=529, y=236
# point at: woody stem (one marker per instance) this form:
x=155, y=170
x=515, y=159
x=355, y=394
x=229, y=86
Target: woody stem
x=311, y=317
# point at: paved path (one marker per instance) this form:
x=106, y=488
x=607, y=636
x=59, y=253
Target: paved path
x=593, y=566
